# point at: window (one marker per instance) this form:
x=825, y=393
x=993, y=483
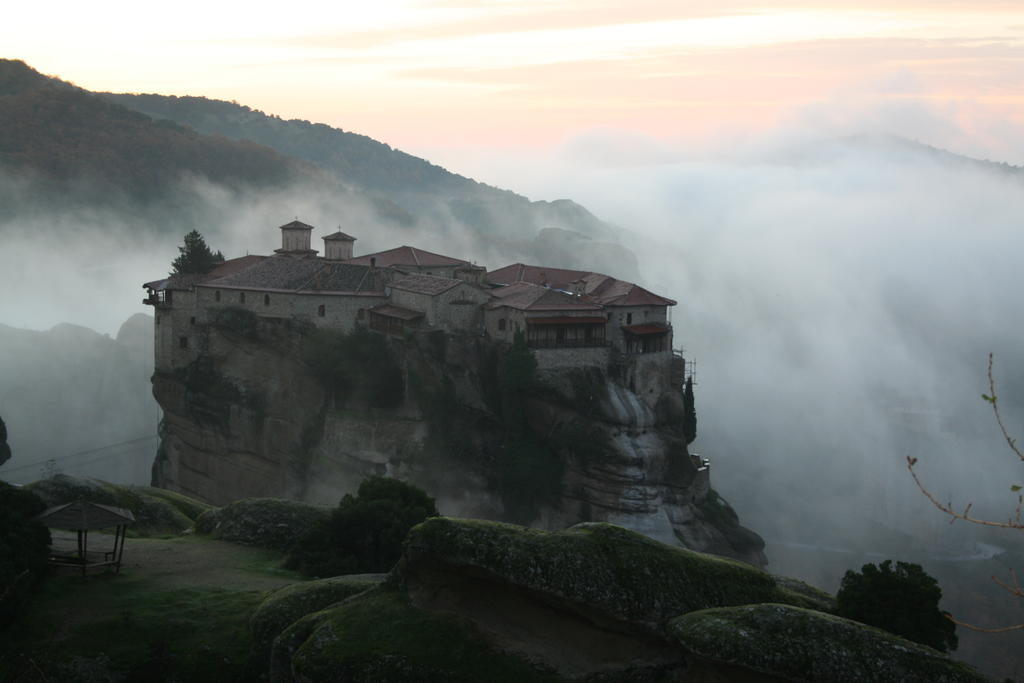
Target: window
x=629, y=318
x=501, y=324
x=360, y=314
x=321, y=310
x=183, y=342
x=241, y=297
x=266, y=299
x=192, y=320
x=216, y=295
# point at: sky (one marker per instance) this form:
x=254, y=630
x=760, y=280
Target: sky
x=450, y=78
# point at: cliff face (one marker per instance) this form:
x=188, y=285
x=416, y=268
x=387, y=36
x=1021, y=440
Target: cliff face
x=273, y=408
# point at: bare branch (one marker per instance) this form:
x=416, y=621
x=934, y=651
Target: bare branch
x=1015, y=627
x=1012, y=586
x=993, y=398
x=1013, y=523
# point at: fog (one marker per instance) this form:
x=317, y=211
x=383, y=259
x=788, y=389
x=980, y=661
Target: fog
x=73, y=388
x=840, y=295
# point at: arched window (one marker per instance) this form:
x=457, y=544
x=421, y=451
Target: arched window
x=216, y=295
x=501, y=324
x=241, y=297
x=321, y=310
x=266, y=299
x=629, y=318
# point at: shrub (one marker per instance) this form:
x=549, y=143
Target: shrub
x=903, y=600
x=529, y=476
x=24, y=548
x=365, y=532
x=360, y=365
x=5, y=450
x=241, y=321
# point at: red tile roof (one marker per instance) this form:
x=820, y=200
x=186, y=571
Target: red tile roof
x=529, y=297
x=296, y=225
x=559, y=278
x=407, y=256
x=424, y=284
x=390, y=311
x=597, y=287
x=187, y=281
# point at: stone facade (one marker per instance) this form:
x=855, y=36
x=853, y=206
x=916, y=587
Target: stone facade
x=459, y=309
x=566, y=324
x=341, y=311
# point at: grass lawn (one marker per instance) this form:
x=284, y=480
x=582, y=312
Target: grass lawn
x=178, y=611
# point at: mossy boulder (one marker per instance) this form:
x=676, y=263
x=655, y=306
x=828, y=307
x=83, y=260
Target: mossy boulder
x=156, y=511
x=273, y=523
x=597, y=570
x=287, y=605
x=380, y=636
x=805, y=645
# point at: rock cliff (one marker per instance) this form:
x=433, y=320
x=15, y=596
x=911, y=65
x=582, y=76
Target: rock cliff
x=274, y=408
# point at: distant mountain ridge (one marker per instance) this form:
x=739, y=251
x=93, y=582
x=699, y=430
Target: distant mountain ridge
x=167, y=164
x=64, y=133
x=417, y=185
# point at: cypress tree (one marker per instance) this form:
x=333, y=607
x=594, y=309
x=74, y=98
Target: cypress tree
x=195, y=256
x=5, y=450
x=689, y=412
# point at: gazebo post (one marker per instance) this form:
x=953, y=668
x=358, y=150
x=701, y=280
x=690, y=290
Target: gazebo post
x=85, y=550
x=120, y=532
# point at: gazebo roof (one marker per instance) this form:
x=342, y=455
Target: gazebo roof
x=82, y=515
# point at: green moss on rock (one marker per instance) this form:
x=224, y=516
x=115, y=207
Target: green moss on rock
x=801, y=644
x=273, y=523
x=156, y=511
x=287, y=605
x=592, y=569
x=379, y=636
x=190, y=507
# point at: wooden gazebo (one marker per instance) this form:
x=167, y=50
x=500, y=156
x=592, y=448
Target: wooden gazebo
x=81, y=516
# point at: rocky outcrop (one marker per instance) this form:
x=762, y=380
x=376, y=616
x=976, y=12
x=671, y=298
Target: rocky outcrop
x=264, y=522
x=250, y=417
x=287, y=605
x=157, y=511
x=791, y=643
x=473, y=600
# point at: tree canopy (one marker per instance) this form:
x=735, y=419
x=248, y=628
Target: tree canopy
x=195, y=256
x=365, y=532
x=5, y=450
x=903, y=600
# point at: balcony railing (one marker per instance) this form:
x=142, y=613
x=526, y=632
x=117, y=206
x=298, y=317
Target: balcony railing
x=566, y=344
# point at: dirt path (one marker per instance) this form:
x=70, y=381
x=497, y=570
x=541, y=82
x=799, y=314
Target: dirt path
x=190, y=561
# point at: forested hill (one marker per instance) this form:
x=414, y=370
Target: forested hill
x=423, y=188
x=62, y=134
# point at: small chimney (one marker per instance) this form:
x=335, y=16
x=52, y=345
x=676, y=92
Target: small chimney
x=295, y=239
x=338, y=246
